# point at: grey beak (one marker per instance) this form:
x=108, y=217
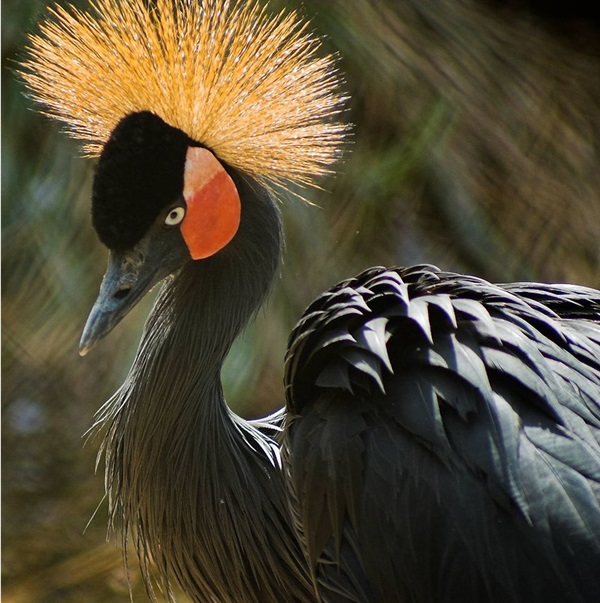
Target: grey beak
x=128, y=277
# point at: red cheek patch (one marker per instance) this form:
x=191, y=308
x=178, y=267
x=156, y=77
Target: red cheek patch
x=213, y=204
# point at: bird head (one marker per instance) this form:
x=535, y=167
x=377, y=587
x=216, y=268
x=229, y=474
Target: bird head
x=179, y=100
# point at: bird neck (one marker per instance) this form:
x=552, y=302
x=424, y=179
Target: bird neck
x=200, y=488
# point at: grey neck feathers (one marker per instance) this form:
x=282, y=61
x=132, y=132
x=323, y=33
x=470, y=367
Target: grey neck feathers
x=198, y=489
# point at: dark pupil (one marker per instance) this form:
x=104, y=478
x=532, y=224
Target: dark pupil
x=173, y=214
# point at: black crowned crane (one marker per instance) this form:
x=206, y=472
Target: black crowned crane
x=442, y=438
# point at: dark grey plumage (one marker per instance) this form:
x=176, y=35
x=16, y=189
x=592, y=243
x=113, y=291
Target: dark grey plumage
x=443, y=439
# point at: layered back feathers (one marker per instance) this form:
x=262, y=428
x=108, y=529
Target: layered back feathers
x=254, y=88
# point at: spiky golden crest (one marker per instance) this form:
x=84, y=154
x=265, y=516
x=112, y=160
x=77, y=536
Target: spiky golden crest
x=252, y=87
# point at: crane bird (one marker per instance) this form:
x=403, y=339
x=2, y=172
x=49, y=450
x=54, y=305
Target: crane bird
x=442, y=434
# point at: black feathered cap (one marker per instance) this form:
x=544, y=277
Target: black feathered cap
x=139, y=173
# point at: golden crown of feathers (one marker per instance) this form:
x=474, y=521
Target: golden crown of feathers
x=254, y=88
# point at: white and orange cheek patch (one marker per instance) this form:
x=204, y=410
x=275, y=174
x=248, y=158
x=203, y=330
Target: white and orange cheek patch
x=213, y=204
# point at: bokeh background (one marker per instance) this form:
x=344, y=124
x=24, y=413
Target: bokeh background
x=476, y=147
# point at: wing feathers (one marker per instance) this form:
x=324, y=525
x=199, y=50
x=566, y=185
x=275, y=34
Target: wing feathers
x=445, y=443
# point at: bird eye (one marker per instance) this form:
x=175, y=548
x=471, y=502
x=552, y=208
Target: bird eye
x=175, y=216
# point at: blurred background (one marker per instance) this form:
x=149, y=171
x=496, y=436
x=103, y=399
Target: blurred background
x=476, y=147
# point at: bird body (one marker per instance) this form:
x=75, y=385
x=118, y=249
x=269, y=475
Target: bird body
x=442, y=436
x=444, y=439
